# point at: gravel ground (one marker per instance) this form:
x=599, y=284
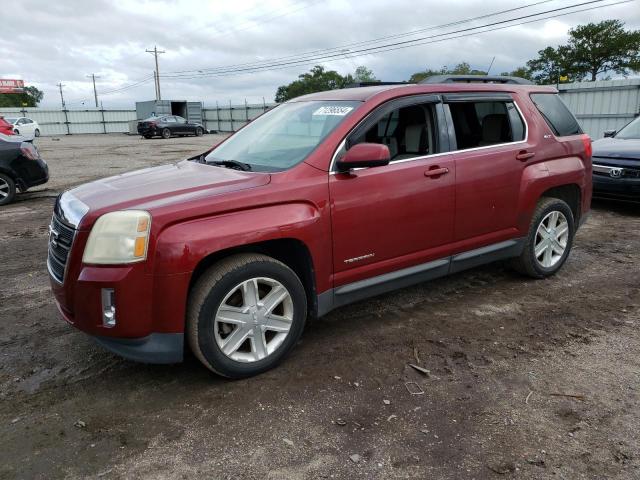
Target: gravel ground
x=528, y=379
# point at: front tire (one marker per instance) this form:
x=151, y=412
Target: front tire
x=16, y=132
x=245, y=314
x=199, y=132
x=7, y=189
x=549, y=240
x=166, y=133
x=37, y=132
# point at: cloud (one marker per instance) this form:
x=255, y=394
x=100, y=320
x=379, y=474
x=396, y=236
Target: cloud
x=48, y=42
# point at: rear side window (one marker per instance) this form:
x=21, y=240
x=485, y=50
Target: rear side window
x=484, y=123
x=556, y=114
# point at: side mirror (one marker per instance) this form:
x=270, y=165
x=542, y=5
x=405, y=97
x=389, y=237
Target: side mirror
x=609, y=133
x=364, y=155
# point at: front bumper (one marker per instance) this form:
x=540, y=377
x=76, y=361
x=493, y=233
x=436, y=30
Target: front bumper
x=154, y=348
x=616, y=188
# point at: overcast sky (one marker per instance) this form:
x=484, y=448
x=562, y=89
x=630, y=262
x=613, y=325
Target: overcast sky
x=45, y=42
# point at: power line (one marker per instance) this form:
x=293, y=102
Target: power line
x=403, y=44
x=155, y=53
x=365, y=42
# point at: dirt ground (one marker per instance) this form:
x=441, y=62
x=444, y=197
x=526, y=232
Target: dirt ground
x=528, y=379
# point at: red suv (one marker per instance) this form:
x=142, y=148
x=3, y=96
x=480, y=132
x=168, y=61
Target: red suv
x=322, y=201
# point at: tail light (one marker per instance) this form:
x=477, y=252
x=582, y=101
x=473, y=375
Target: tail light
x=588, y=149
x=29, y=151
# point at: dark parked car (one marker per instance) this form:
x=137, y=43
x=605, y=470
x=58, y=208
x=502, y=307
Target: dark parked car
x=168, y=126
x=20, y=167
x=616, y=164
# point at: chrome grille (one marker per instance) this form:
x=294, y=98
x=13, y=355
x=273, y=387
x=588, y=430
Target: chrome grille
x=60, y=241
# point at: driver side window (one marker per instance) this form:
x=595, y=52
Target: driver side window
x=408, y=131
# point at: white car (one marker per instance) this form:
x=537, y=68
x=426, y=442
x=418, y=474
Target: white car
x=24, y=126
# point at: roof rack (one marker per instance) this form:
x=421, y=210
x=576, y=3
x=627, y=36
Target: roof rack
x=374, y=84
x=476, y=79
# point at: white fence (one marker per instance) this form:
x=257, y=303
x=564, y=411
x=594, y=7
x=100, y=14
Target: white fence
x=599, y=106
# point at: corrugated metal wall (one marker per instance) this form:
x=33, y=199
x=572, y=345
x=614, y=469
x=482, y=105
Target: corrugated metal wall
x=599, y=106
x=231, y=118
x=603, y=105
x=58, y=122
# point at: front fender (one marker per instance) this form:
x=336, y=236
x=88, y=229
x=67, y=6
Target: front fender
x=182, y=246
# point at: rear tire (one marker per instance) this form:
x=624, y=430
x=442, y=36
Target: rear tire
x=166, y=133
x=549, y=240
x=245, y=314
x=7, y=189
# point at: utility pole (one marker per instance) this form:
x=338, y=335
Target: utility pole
x=60, y=85
x=95, y=92
x=155, y=53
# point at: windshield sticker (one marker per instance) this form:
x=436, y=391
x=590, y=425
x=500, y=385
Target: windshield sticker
x=339, y=111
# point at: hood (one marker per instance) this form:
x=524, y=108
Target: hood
x=615, y=148
x=161, y=186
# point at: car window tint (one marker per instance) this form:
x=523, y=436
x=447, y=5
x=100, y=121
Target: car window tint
x=409, y=132
x=484, y=123
x=556, y=114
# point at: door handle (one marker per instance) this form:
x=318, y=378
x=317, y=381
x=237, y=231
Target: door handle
x=436, y=171
x=523, y=155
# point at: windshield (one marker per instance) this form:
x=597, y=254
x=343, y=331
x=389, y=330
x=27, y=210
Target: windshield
x=11, y=120
x=284, y=136
x=632, y=130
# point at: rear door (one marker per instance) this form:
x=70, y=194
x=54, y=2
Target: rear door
x=489, y=136
x=393, y=217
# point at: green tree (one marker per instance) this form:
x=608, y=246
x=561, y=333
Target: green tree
x=31, y=97
x=598, y=48
x=551, y=64
x=316, y=80
x=593, y=49
x=462, y=68
x=364, y=74
x=521, y=72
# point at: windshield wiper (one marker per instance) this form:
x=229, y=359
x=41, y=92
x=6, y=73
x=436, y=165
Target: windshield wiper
x=236, y=165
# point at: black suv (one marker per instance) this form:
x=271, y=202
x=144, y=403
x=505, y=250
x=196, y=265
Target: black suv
x=168, y=126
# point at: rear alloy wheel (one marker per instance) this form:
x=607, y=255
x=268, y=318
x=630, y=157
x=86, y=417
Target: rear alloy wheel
x=549, y=240
x=166, y=133
x=245, y=314
x=37, y=132
x=7, y=189
x=199, y=132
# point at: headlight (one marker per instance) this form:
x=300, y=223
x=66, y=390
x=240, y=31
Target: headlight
x=119, y=237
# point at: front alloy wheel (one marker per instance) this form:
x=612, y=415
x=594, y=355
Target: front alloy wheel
x=253, y=319
x=245, y=314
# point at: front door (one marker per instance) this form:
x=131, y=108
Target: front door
x=400, y=215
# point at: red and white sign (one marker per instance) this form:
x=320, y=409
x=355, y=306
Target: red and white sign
x=11, y=85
